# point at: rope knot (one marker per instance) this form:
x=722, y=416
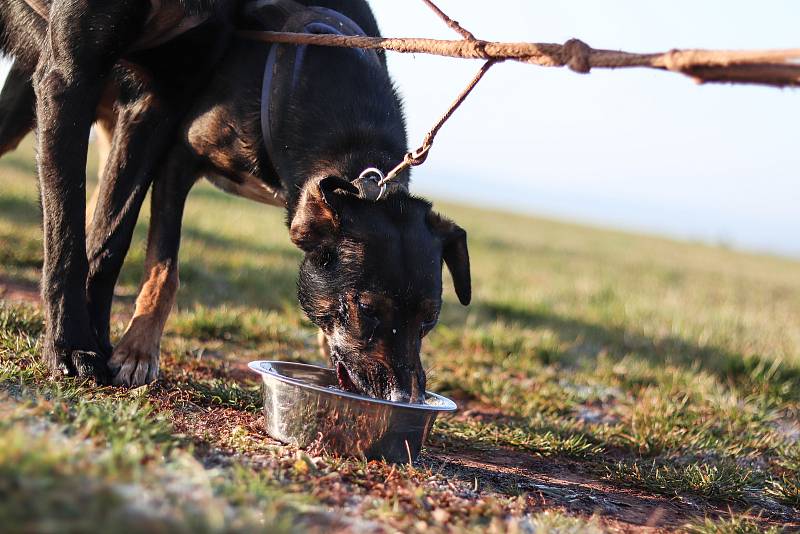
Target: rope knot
x=480, y=48
x=575, y=54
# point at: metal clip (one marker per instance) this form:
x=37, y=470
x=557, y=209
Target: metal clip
x=374, y=174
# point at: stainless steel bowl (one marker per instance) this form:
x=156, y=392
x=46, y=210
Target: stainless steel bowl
x=303, y=408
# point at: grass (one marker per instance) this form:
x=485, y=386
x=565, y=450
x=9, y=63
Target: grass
x=594, y=368
x=538, y=441
x=785, y=487
x=718, y=481
x=731, y=525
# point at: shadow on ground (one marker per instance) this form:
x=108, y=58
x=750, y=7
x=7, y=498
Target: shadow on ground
x=569, y=484
x=590, y=339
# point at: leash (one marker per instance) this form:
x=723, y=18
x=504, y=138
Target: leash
x=418, y=156
x=372, y=182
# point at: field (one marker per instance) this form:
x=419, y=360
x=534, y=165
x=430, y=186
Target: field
x=607, y=382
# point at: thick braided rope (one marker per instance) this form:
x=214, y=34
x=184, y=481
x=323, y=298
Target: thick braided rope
x=778, y=68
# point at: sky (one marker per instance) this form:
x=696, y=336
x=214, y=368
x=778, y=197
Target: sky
x=634, y=149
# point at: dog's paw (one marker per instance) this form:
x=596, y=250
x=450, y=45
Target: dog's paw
x=57, y=361
x=90, y=364
x=135, y=360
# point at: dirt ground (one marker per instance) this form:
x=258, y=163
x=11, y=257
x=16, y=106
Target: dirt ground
x=464, y=472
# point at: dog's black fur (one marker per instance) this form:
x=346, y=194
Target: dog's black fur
x=371, y=276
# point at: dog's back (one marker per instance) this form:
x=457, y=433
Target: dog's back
x=23, y=29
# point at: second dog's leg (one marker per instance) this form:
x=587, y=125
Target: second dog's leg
x=17, y=109
x=103, y=136
x=136, y=356
x=84, y=40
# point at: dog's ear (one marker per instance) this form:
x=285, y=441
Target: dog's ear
x=454, y=253
x=316, y=219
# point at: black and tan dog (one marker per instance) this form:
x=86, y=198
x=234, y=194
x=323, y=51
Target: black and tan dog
x=182, y=96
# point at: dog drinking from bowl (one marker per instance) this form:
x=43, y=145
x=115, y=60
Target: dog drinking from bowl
x=183, y=96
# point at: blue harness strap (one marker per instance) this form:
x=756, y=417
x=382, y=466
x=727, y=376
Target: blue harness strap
x=284, y=58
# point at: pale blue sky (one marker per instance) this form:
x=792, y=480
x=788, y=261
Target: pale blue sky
x=635, y=149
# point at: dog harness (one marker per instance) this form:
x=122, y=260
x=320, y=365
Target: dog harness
x=283, y=69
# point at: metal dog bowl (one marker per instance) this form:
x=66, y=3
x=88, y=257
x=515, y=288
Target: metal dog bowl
x=303, y=408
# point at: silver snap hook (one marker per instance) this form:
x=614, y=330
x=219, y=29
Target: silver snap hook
x=375, y=175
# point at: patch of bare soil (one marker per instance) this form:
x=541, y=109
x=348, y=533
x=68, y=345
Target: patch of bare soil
x=561, y=484
x=570, y=485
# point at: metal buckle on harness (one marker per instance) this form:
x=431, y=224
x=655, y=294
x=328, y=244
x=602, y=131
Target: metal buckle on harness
x=375, y=175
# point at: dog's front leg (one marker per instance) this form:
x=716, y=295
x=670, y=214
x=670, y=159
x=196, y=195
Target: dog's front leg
x=144, y=123
x=84, y=40
x=136, y=356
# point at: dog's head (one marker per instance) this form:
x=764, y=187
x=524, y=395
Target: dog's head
x=371, y=279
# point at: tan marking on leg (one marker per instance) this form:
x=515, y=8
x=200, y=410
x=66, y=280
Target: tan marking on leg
x=104, y=131
x=136, y=356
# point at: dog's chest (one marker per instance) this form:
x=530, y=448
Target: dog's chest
x=221, y=138
x=251, y=188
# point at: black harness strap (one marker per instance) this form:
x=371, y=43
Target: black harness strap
x=285, y=63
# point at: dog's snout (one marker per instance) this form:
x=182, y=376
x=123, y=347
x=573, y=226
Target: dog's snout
x=409, y=388
x=398, y=395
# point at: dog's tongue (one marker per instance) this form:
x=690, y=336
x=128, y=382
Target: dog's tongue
x=345, y=382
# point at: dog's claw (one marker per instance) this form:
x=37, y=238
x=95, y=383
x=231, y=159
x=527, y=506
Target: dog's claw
x=132, y=366
x=82, y=364
x=91, y=365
